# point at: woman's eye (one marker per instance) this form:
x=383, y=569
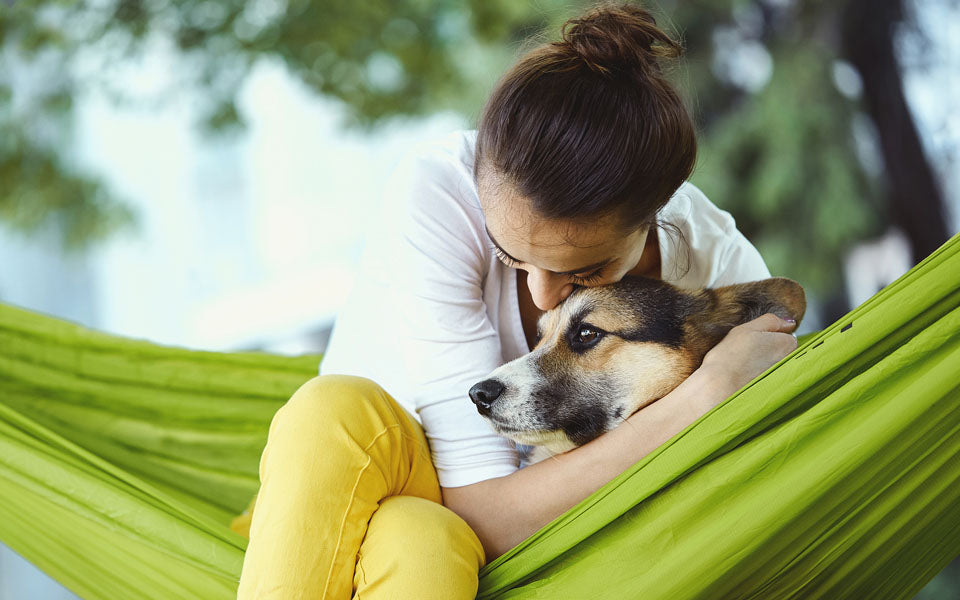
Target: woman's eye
x=587, y=279
x=504, y=258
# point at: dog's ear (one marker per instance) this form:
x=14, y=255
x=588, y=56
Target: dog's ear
x=719, y=310
x=744, y=302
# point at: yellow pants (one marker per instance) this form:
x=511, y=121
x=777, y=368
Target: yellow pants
x=349, y=505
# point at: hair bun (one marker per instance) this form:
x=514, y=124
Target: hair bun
x=618, y=36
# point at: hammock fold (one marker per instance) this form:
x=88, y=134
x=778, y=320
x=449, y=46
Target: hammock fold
x=832, y=475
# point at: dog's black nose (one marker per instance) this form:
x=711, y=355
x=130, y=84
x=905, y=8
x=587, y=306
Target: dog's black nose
x=485, y=393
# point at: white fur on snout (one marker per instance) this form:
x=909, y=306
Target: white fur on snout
x=519, y=377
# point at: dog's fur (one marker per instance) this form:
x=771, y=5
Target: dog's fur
x=608, y=351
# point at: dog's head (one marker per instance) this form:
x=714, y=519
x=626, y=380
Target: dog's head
x=608, y=351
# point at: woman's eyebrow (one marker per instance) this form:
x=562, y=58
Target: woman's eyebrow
x=596, y=265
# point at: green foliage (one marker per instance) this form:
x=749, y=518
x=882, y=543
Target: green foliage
x=780, y=158
x=783, y=163
x=37, y=188
x=37, y=185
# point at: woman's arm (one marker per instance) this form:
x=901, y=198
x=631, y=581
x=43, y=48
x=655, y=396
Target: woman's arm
x=506, y=510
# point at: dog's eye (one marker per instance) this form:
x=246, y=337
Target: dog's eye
x=583, y=336
x=587, y=335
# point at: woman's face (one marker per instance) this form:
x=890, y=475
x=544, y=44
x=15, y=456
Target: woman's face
x=558, y=254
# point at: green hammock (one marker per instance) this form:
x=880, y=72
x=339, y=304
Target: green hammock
x=833, y=475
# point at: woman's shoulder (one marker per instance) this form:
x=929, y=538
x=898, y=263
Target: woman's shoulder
x=690, y=209
x=431, y=197
x=435, y=170
x=709, y=246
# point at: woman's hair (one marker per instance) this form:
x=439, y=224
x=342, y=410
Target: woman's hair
x=588, y=126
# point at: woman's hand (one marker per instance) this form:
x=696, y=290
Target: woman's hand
x=747, y=351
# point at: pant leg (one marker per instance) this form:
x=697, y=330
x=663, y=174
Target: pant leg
x=420, y=550
x=338, y=448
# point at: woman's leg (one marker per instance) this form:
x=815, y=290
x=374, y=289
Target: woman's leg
x=420, y=550
x=335, y=451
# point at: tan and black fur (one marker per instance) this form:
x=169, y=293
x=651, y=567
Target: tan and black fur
x=608, y=351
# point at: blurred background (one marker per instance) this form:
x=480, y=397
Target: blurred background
x=199, y=172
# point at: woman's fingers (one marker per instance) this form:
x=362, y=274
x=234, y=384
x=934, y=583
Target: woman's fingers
x=770, y=322
x=751, y=348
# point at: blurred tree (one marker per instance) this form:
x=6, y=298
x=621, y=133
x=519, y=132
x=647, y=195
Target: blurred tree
x=777, y=148
x=777, y=141
x=38, y=185
x=868, y=32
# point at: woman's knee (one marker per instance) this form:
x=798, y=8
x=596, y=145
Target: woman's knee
x=426, y=528
x=333, y=417
x=326, y=401
x=322, y=413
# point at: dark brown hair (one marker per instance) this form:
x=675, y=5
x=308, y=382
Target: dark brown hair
x=588, y=126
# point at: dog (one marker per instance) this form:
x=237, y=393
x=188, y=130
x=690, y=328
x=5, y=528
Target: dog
x=608, y=351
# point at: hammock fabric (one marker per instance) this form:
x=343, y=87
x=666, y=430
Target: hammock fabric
x=833, y=475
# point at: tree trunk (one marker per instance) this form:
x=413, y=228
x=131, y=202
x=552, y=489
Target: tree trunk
x=915, y=198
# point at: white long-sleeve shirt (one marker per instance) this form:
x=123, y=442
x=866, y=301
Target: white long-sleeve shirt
x=435, y=311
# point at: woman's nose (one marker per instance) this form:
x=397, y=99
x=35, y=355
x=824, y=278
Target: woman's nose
x=547, y=289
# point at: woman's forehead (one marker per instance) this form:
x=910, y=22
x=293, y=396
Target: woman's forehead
x=511, y=219
x=506, y=209
x=519, y=226
x=559, y=248
x=559, y=245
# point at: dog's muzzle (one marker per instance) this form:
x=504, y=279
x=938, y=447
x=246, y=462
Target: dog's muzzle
x=484, y=394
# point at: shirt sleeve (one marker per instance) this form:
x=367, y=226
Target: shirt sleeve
x=447, y=341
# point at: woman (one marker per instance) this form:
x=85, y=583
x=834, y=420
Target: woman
x=391, y=485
